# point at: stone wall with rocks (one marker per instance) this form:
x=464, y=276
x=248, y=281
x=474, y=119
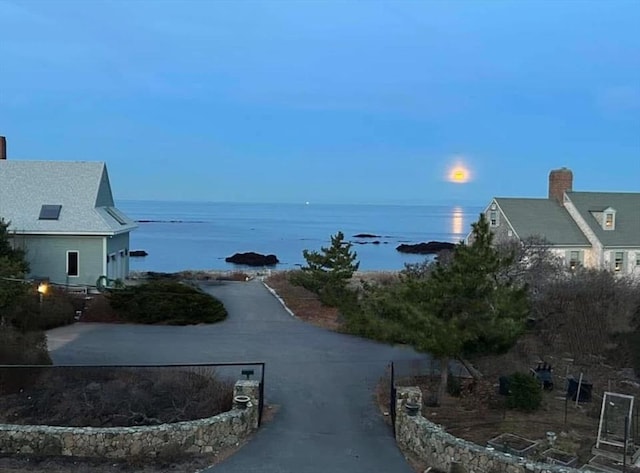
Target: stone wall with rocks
x=198, y=436
x=442, y=451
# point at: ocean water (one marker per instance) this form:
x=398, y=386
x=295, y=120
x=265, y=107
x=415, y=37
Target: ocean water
x=200, y=235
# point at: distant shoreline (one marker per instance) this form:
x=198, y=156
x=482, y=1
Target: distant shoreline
x=207, y=274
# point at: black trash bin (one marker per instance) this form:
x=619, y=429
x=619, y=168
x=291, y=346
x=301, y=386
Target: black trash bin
x=503, y=387
x=586, y=389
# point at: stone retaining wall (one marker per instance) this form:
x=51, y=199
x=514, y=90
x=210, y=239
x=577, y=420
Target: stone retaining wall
x=444, y=452
x=198, y=436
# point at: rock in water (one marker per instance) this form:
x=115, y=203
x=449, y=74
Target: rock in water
x=430, y=248
x=253, y=259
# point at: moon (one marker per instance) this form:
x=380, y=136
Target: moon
x=459, y=174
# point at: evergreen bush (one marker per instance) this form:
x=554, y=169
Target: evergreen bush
x=525, y=392
x=328, y=271
x=166, y=302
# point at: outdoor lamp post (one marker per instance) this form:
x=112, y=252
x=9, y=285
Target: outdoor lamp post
x=42, y=290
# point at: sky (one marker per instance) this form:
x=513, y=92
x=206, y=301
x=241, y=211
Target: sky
x=326, y=101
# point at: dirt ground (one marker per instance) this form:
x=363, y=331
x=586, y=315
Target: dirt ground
x=304, y=303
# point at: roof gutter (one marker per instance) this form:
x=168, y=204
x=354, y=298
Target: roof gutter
x=47, y=233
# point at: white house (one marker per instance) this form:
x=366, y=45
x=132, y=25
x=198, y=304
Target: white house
x=594, y=229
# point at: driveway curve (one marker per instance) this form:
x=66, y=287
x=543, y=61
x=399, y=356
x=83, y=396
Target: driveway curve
x=323, y=381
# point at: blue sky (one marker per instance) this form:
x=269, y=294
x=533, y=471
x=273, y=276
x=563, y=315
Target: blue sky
x=326, y=101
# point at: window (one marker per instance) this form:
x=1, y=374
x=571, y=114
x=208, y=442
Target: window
x=493, y=218
x=574, y=259
x=73, y=268
x=114, y=214
x=618, y=264
x=609, y=220
x=50, y=212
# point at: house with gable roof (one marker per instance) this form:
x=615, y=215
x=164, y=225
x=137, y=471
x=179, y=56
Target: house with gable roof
x=593, y=229
x=63, y=215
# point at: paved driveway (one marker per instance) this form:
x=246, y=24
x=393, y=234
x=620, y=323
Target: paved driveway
x=328, y=421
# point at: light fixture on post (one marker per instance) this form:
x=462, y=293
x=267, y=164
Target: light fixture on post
x=43, y=287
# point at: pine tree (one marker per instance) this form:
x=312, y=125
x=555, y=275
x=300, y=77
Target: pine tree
x=473, y=310
x=459, y=307
x=329, y=270
x=13, y=265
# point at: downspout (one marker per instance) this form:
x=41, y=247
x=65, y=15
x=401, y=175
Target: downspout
x=104, y=256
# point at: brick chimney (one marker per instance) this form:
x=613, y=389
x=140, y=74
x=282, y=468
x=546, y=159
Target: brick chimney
x=560, y=180
x=3, y=147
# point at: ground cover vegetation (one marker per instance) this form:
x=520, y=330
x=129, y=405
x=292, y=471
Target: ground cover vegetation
x=165, y=302
x=114, y=397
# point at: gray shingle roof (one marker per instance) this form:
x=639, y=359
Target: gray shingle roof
x=542, y=217
x=81, y=188
x=627, y=207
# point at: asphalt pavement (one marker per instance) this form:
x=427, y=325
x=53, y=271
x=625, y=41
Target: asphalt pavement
x=322, y=381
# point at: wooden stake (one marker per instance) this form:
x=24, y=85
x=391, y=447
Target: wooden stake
x=578, y=393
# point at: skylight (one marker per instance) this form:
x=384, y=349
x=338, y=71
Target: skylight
x=50, y=212
x=111, y=211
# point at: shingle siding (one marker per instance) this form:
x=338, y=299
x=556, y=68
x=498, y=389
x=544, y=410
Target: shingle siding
x=502, y=232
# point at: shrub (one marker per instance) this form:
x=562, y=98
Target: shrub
x=166, y=302
x=118, y=397
x=18, y=348
x=525, y=392
x=58, y=308
x=627, y=347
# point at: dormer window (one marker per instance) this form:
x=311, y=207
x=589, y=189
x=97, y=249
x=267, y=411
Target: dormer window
x=609, y=220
